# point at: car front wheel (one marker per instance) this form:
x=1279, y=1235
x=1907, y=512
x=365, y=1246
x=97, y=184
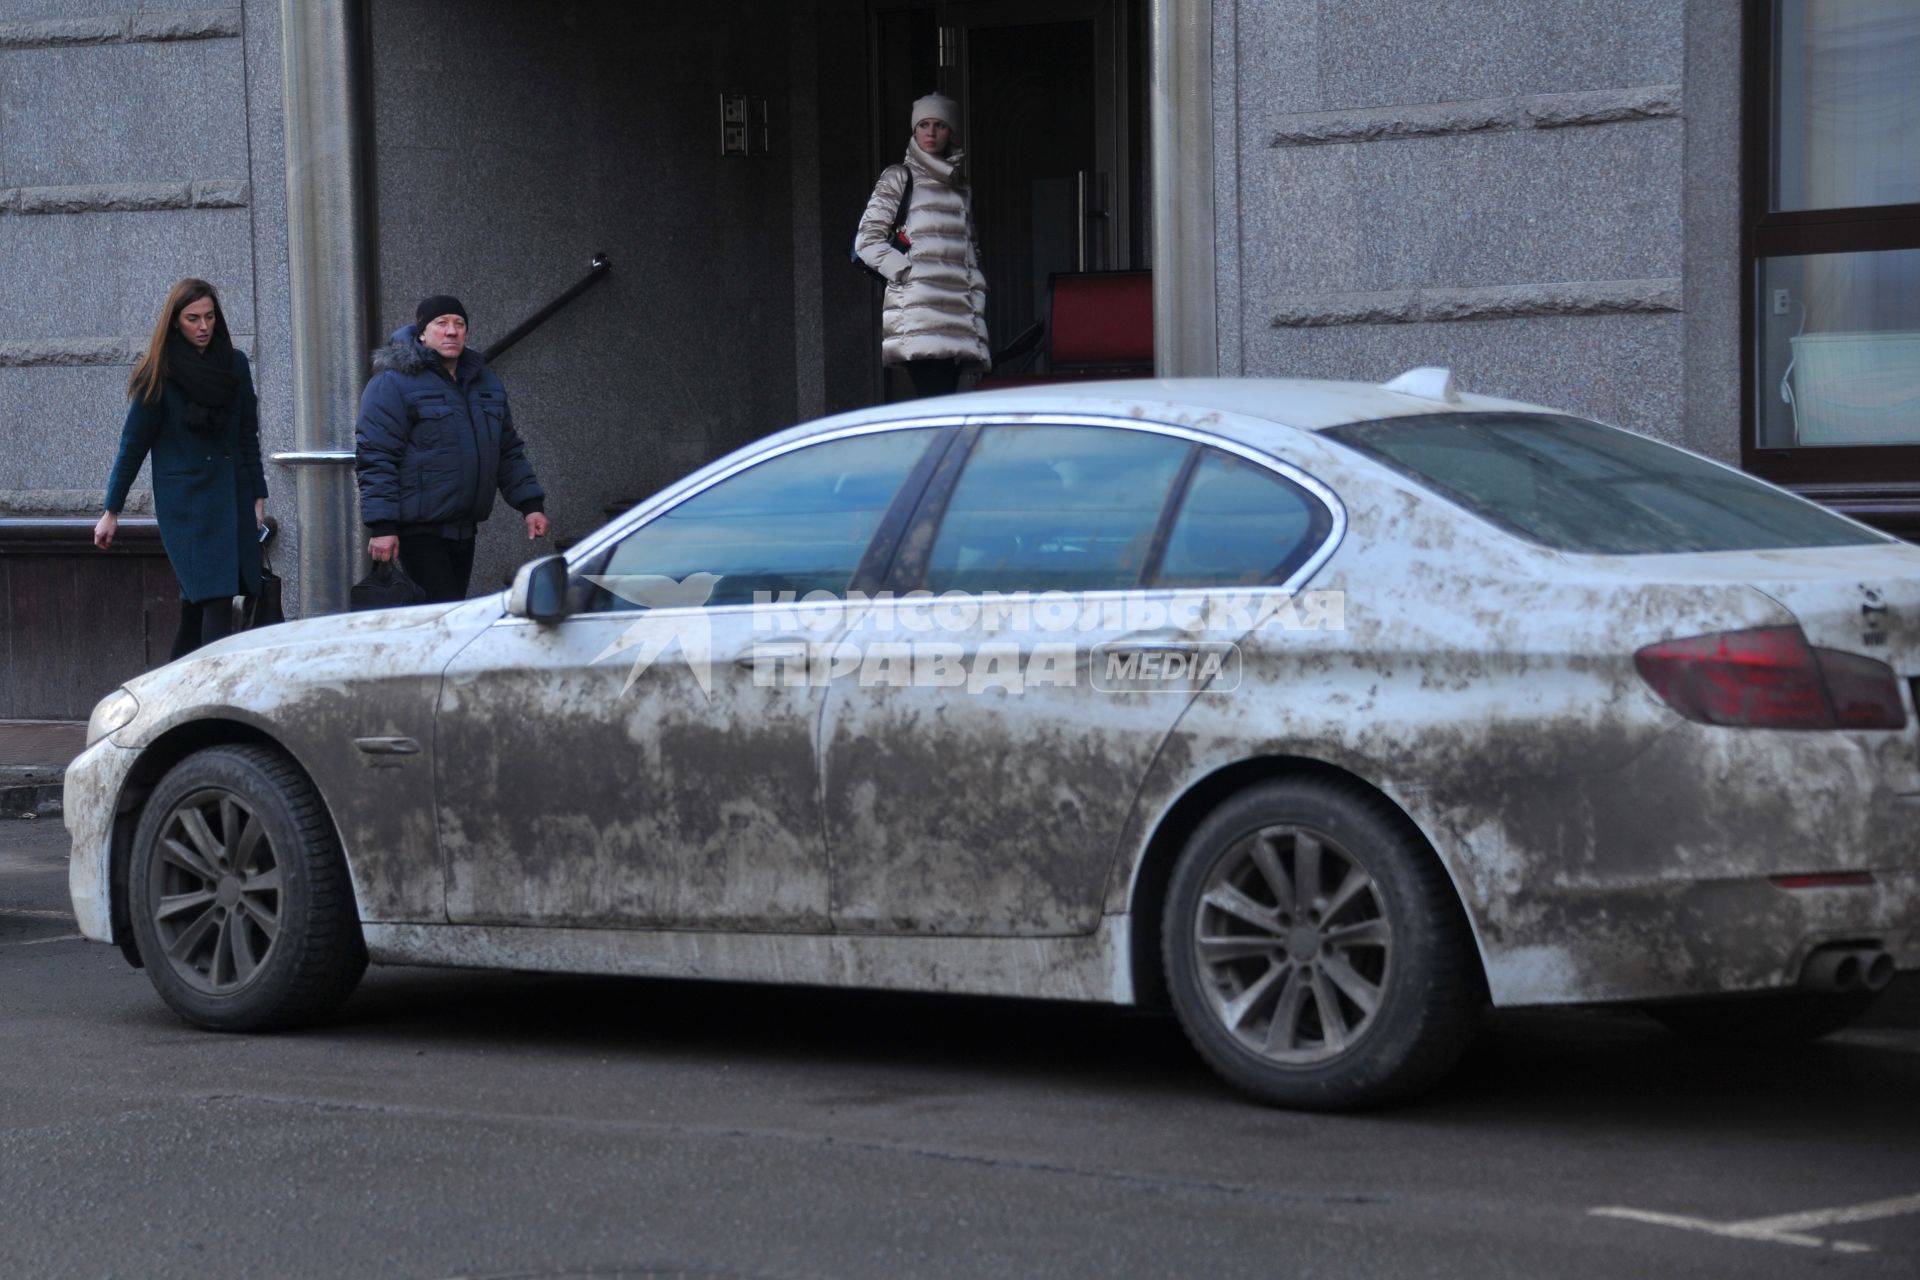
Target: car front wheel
x=1315, y=951
x=241, y=906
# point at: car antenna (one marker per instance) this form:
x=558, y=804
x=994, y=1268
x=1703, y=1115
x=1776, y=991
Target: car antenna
x=1429, y=382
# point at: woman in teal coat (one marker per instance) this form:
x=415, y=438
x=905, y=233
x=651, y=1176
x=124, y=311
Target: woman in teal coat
x=193, y=408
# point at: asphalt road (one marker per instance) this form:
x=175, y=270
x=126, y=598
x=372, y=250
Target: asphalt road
x=466, y=1124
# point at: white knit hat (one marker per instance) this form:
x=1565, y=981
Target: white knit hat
x=936, y=106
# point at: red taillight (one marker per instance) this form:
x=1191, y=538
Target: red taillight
x=1771, y=678
x=1825, y=880
x=1865, y=695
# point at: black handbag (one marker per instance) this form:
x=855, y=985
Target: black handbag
x=386, y=586
x=264, y=608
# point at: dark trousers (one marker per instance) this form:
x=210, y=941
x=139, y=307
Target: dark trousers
x=201, y=622
x=442, y=566
x=934, y=377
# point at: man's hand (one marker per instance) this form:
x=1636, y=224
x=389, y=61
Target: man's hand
x=259, y=513
x=383, y=548
x=536, y=525
x=104, y=529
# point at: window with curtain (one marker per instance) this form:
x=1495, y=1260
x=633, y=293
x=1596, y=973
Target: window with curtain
x=1835, y=265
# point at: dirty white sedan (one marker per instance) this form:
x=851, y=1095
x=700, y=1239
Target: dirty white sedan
x=1327, y=714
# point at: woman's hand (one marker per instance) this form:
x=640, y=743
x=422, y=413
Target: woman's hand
x=103, y=531
x=383, y=548
x=259, y=513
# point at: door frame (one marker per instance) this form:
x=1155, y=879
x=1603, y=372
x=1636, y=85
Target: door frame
x=1115, y=128
x=1180, y=208
x=1180, y=145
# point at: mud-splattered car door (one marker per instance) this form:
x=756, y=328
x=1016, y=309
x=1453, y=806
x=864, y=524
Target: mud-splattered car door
x=637, y=764
x=981, y=761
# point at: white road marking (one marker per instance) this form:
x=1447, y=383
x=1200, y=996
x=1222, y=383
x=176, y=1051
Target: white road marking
x=32, y=913
x=39, y=942
x=1831, y=1217
x=1786, y=1228
x=1701, y=1224
x=1897, y=1041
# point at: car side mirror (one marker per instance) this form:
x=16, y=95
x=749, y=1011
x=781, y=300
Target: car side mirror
x=540, y=590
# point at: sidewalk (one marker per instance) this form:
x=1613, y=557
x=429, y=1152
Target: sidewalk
x=34, y=755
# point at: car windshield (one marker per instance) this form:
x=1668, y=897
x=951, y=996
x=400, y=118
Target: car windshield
x=1577, y=486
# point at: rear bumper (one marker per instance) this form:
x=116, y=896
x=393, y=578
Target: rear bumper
x=1653, y=880
x=1709, y=938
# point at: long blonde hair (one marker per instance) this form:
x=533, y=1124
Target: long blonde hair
x=150, y=375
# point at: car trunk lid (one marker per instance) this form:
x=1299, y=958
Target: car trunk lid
x=1863, y=600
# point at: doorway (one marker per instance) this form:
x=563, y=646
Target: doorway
x=1052, y=124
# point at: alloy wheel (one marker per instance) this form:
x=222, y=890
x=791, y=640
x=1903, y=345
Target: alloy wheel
x=1292, y=945
x=216, y=892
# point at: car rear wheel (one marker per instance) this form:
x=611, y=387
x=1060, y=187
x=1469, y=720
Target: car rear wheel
x=1772, y=1020
x=241, y=906
x=1315, y=951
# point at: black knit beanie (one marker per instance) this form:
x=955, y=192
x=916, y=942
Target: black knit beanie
x=431, y=309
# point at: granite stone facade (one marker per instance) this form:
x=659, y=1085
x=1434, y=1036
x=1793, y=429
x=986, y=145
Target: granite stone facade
x=127, y=159
x=139, y=143
x=1504, y=188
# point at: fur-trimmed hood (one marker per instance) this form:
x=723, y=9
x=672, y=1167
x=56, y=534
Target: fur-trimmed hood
x=405, y=353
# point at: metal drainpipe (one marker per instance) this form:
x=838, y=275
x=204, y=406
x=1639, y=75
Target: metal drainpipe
x=326, y=262
x=1185, y=327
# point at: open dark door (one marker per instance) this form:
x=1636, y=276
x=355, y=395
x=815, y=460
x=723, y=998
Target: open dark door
x=1046, y=90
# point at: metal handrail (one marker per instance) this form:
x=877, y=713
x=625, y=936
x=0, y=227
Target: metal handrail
x=312, y=457
x=596, y=272
x=602, y=264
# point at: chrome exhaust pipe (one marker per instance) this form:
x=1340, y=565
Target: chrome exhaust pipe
x=1838, y=968
x=1877, y=972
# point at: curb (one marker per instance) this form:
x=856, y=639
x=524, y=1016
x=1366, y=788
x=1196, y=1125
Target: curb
x=31, y=801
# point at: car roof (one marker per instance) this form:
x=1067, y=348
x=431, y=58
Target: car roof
x=1303, y=403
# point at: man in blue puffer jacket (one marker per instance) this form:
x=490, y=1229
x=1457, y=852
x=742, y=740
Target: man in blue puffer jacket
x=435, y=439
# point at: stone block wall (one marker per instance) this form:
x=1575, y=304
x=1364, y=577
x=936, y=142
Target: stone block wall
x=140, y=141
x=1540, y=194
x=132, y=152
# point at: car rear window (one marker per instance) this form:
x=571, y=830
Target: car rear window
x=1577, y=486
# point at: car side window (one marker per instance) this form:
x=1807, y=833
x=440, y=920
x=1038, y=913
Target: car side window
x=799, y=522
x=1041, y=508
x=1240, y=525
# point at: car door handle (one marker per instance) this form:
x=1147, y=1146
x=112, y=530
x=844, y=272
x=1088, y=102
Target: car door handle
x=1158, y=640
x=388, y=746
x=773, y=647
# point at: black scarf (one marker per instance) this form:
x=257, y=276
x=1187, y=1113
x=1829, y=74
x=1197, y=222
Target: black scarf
x=207, y=381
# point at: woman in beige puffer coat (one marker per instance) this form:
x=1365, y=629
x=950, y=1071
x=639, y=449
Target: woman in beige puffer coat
x=935, y=318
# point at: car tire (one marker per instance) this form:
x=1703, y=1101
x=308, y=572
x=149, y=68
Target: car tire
x=1366, y=993
x=239, y=897
x=1773, y=1020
